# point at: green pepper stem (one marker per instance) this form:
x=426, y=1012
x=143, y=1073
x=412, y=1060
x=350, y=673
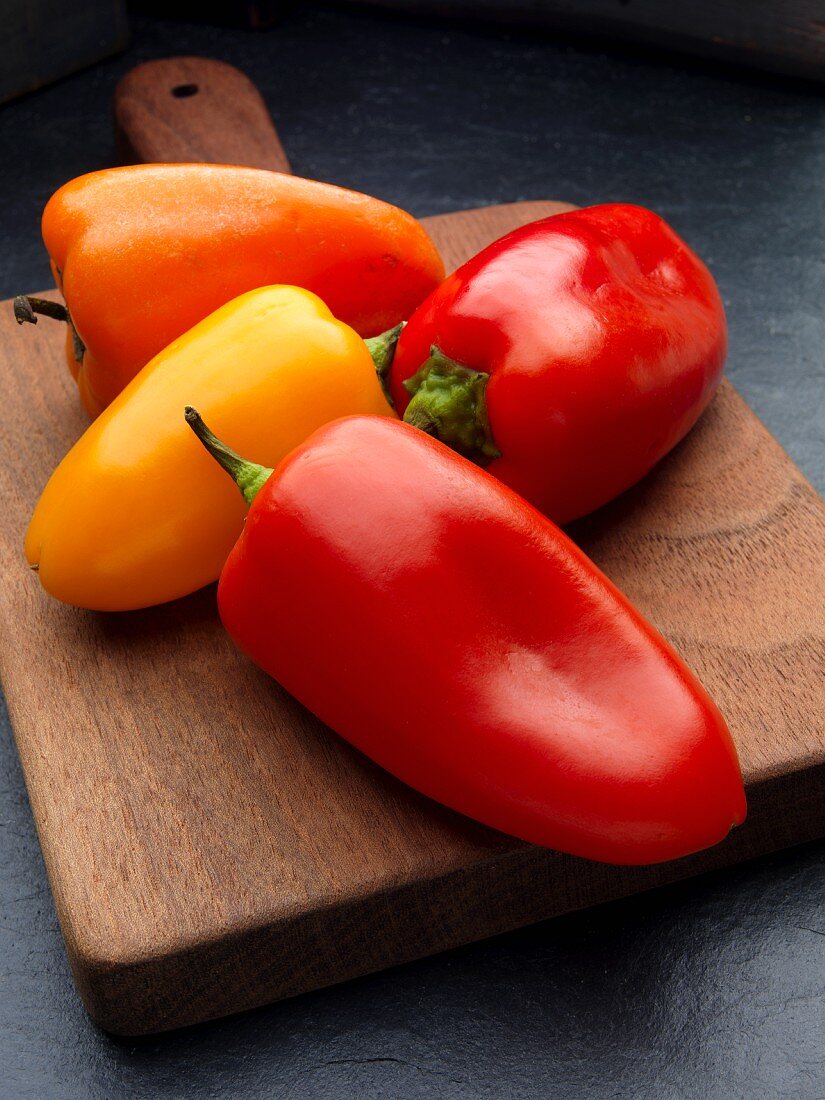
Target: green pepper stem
x=26, y=309
x=248, y=476
x=420, y=418
x=382, y=350
x=449, y=402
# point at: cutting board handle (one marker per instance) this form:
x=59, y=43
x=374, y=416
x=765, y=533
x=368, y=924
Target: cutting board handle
x=183, y=109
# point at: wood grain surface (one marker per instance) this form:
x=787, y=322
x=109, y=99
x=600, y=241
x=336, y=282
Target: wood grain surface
x=211, y=846
x=182, y=109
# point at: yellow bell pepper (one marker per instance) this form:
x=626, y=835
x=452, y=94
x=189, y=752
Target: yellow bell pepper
x=137, y=513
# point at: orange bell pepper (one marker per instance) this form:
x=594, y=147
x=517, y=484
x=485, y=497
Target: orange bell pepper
x=141, y=254
x=136, y=513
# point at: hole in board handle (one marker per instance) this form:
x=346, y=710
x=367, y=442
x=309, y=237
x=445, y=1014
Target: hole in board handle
x=183, y=91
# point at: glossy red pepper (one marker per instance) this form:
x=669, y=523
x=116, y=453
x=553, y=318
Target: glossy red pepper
x=568, y=357
x=461, y=640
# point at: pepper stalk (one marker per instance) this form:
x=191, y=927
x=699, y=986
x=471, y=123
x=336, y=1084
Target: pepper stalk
x=448, y=399
x=250, y=477
x=449, y=402
x=382, y=350
x=27, y=307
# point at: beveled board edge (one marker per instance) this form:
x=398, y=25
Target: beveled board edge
x=508, y=891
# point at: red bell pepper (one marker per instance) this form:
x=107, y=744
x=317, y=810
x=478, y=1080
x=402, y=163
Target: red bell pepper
x=568, y=357
x=461, y=640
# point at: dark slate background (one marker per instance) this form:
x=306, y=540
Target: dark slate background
x=712, y=988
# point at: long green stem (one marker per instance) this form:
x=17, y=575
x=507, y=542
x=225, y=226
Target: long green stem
x=248, y=476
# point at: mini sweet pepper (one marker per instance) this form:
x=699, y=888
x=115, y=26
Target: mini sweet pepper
x=567, y=357
x=142, y=253
x=449, y=631
x=134, y=515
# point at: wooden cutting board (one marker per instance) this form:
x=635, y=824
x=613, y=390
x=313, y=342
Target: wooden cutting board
x=211, y=846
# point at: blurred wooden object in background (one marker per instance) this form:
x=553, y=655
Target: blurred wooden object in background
x=46, y=39
x=256, y=15
x=786, y=37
